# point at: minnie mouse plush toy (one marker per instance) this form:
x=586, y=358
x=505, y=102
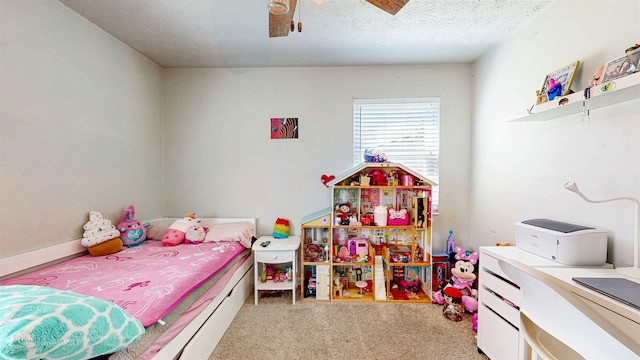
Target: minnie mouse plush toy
x=462, y=278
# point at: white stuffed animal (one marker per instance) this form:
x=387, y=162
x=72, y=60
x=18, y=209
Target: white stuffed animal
x=195, y=234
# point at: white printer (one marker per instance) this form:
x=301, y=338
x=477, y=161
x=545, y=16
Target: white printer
x=562, y=242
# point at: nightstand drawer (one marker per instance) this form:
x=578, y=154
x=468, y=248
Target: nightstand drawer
x=274, y=257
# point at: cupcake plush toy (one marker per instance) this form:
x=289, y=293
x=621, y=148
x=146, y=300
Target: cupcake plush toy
x=100, y=237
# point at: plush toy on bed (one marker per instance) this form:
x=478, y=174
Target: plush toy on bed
x=195, y=234
x=100, y=237
x=177, y=232
x=132, y=232
x=462, y=278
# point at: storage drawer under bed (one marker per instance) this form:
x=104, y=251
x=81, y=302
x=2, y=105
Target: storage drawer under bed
x=207, y=338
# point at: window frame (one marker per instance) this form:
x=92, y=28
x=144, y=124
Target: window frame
x=379, y=113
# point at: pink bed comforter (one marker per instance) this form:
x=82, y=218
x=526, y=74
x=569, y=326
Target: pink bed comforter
x=147, y=281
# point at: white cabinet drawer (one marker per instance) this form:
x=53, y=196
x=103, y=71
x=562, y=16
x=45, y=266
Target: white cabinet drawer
x=490, y=263
x=504, y=309
x=496, y=337
x=274, y=257
x=501, y=287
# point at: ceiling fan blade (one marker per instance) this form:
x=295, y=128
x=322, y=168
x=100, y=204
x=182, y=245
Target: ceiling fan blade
x=390, y=6
x=280, y=25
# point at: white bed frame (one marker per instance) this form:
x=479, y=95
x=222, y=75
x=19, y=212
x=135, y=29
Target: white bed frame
x=198, y=339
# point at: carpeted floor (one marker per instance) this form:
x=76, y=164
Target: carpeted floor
x=276, y=329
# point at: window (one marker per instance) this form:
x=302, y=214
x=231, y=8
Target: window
x=407, y=131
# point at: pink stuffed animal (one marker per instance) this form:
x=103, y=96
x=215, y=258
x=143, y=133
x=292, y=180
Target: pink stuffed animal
x=132, y=232
x=178, y=230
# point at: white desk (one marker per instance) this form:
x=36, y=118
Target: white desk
x=559, y=316
x=551, y=311
x=594, y=297
x=619, y=320
x=500, y=299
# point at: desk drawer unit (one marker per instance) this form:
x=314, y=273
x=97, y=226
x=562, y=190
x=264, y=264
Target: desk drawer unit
x=498, y=312
x=501, y=341
x=501, y=330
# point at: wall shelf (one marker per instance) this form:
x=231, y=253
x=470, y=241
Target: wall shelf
x=624, y=89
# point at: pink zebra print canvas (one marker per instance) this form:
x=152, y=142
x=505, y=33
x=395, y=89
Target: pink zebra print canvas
x=284, y=128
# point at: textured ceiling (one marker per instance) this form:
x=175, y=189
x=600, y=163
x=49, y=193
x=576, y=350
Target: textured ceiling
x=234, y=33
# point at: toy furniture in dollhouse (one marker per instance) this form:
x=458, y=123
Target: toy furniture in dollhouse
x=378, y=232
x=275, y=264
x=315, y=256
x=440, y=270
x=349, y=270
x=358, y=246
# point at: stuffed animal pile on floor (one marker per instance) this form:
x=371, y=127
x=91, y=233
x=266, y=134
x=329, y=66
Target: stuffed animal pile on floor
x=459, y=294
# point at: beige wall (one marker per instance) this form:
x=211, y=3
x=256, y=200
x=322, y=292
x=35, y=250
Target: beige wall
x=221, y=161
x=519, y=168
x=80, y=126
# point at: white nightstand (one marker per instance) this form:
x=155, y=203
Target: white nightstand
x=278, y=251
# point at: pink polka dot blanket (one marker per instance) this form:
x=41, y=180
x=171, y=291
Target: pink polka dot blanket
x=147, y=281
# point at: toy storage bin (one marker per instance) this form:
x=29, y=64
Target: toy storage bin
x=398, y=221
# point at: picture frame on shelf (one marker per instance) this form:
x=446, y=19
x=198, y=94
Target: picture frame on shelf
x=634, y=57
x=617, y=68
x=564, y=75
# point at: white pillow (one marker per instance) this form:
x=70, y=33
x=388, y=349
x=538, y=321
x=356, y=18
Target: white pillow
x=157, y=229
x=241, y=232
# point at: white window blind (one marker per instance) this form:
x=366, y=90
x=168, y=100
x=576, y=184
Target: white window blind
x=407, y=131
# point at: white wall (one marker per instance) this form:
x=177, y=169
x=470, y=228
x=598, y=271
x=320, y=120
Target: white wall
x=69, y=91
x=80, y=126
x=221, y=161
x=519, y=168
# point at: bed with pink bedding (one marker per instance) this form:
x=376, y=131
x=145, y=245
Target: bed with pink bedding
x=185, y=296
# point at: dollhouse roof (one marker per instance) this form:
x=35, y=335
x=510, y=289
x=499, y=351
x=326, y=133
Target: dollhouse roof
x=315, y=216
x=366, y=167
